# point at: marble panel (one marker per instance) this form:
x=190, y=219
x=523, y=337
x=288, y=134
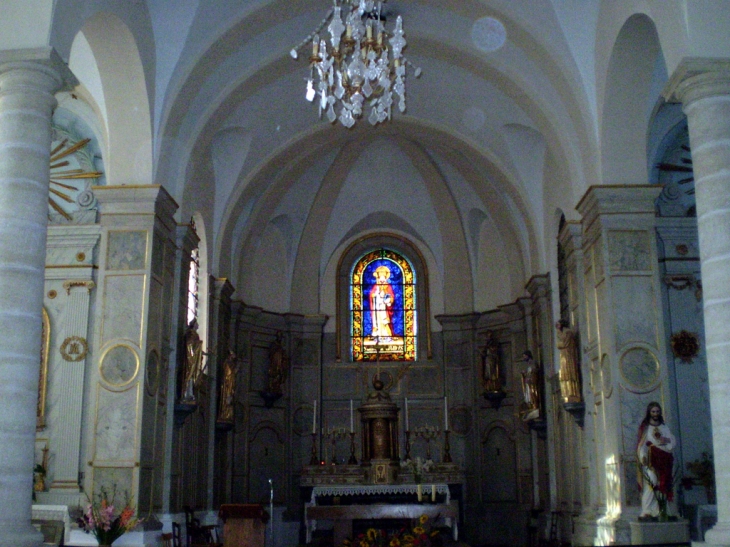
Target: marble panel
x=635, y=304
x=597, y=256
x=629, y=250
x=340, y=380
x=123, y=310
x=126, y=250
x=259, y=368
x=460, y=420
x=158, y=254
x=500, y=476
x=306, y=382
x=425, y=381
x=266, y=452
x=119, y=365
x=116, y=425
x=109, y=477
x=306, y=353
x=458, y=353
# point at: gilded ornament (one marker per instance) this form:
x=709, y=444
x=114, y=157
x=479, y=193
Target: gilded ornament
x=74, y=349
x=685, y=345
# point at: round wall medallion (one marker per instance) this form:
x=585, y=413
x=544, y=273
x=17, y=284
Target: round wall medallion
x=74, y=349
x=119, y=365
x=460, y=420
x=685, y=345
x=152, y=370
x=639, y=368
x=52, y=294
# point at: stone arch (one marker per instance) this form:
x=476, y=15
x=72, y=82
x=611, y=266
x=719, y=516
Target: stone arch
x=636, y=71
x=125, y=100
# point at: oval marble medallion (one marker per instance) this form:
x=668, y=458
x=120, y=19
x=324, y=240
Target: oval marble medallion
x=119, y=365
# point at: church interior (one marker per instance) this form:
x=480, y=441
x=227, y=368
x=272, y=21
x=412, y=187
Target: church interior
x=349, y=263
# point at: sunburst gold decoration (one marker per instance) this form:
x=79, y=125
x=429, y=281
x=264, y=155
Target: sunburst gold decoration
x=71, y=173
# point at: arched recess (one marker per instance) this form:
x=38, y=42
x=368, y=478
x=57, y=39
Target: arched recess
x=636, y=73
x=127, y=107
x=350, y=256
x=499, y=453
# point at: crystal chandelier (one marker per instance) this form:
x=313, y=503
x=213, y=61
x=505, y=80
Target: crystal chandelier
x=360, y=67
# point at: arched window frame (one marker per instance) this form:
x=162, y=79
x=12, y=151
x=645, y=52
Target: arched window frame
x=401, y=343
x=409, y=252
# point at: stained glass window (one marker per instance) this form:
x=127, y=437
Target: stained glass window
x=383, y=307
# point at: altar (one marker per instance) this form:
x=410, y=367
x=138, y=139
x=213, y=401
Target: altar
x=348, y=503
x=381, y=486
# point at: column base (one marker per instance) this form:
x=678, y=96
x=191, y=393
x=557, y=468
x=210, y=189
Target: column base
x=61, y=497
x=654, y=533
x=19, y=535
x=718, y=535
x=595, y=528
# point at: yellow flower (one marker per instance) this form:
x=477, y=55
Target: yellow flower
x=364, y=543
x=418, y=530
x=371, y=533
x=408, y=538
x=423, y=519
x=434, y=533
x=395, y=542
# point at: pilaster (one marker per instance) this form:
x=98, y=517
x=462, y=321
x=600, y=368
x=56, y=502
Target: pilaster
x=626, y=353
x=128, y=389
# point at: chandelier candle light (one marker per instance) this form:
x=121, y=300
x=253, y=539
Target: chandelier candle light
x=360, y=63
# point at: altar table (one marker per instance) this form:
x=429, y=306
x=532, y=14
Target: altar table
x=343, y=515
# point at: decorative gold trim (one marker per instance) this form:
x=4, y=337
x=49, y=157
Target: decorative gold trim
x=685, y=345
x=71, y=283
x=92, y=266
x=74, y=349
x=43, y=375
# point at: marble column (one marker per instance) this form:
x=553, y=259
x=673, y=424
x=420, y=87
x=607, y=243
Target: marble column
x=28, y=80
x=703, y=87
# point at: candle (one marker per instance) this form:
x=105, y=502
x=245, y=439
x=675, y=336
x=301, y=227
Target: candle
x=352, y=425
x=433, y=493
x=419, y=491
x=314, y=418
x=446, y=413
x=407, y=428
x=315, y=46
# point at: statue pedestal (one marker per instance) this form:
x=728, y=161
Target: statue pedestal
x=656, y=533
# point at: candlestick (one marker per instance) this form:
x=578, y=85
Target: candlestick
x=408, y=445
x=446, y=413
x=407, y=428
x=353, y=459
x=447, y=448
x=313, y=458
x=314, y=418
x=352, y=424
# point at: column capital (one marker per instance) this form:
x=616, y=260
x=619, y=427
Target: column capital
x=697, y=78
x=44, y=61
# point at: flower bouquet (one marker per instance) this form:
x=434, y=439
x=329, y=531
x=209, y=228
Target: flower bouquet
x=420, y=535
x=419, y=467
x=106, y=519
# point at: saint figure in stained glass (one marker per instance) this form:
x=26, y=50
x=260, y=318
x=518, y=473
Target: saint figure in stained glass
x=383, y=308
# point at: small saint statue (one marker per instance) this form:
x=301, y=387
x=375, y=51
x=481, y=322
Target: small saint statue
x=192, y=362
x=569, y=373
x=278, y=366
x=228, y=389
x=490, y=364
x=530, y=387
